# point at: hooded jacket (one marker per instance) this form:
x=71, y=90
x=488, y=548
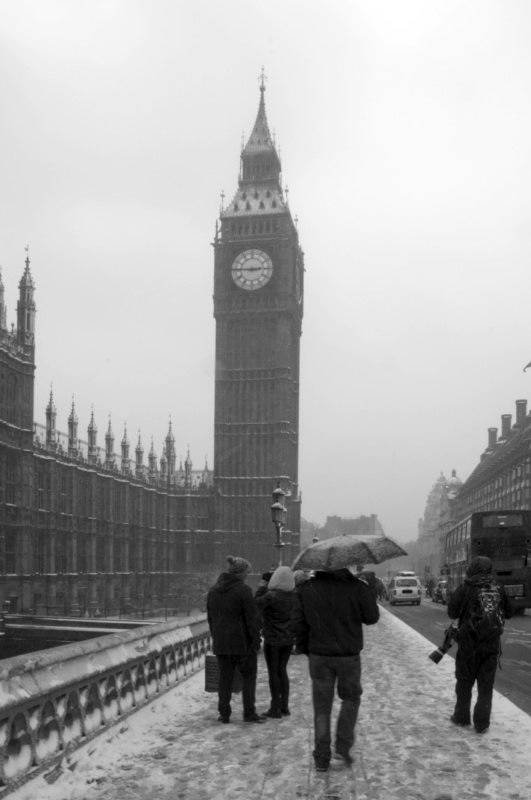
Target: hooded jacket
x=232, y=617
x=330, y=609
x=276, y=605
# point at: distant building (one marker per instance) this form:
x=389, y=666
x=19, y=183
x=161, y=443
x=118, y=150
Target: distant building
x=502, y=478
x=438, y=504
x=335, y=526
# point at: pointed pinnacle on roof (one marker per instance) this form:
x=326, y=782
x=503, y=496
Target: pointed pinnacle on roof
x=260, y=138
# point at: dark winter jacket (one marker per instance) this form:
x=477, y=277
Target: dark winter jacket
x=329, y=611
x=232, y=616
x=276, y=607
x=462, y=600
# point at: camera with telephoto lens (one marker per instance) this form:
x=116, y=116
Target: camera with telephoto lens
x=450, y=635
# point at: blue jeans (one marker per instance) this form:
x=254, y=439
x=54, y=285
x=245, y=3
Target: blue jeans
x=325, y=671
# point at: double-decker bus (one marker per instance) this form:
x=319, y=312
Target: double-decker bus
x=503, y=536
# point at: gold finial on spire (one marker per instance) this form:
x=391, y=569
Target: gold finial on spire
x=26, y=249
x=262, y=78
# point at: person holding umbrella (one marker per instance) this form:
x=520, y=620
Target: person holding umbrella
x=329, y=611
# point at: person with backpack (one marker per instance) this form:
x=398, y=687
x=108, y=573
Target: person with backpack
x=482, y=606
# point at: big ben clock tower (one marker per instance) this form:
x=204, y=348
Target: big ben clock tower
x=258, y=291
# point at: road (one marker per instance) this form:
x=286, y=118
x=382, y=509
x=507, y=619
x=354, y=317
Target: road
x=513, y=680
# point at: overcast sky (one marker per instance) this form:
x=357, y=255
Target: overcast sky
x=404, y=130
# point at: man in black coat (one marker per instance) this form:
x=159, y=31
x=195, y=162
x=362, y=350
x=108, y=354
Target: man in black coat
x=329, y=610
x=477, y=655
x=233, y=622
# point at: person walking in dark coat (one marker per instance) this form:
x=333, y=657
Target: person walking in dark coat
x=233, y=621
x=477, y=655
x=330, y=609
x=276, y=606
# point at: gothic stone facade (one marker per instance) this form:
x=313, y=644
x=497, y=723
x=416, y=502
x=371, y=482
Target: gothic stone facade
x=83, y=531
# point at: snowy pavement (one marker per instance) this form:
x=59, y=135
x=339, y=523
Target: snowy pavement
x=406, y=747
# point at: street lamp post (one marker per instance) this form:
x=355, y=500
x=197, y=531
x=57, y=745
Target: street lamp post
x=278, y=515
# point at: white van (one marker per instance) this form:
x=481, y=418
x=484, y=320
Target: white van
x=404, y=589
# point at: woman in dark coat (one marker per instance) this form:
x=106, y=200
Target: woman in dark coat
x=276, y=606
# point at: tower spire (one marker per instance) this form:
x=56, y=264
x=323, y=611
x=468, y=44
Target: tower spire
x=92, y=432
x=72, y=431
x=259, y=183
x=109, y=446
x=51, y=415
x=125, y=462
x=26, y=309
x=152, y=458
x=260, y=138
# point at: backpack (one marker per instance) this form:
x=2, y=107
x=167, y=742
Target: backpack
x=484, y=616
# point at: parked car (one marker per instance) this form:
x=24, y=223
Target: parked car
x=404, y=590
x=440, y=592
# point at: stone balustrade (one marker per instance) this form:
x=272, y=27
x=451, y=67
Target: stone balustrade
x=53, y=701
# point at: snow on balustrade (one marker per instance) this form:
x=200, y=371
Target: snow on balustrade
x=55, y=700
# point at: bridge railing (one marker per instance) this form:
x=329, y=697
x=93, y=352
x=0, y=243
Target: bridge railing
x=53, y=701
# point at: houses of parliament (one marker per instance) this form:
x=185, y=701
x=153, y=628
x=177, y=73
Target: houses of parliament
x=88, y=529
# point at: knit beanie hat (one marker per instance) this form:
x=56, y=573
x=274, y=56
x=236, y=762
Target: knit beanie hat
x=479, y=565
x=283, y=579
x=237, y=565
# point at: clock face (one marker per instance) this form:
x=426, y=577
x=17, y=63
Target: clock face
x=252, y=269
